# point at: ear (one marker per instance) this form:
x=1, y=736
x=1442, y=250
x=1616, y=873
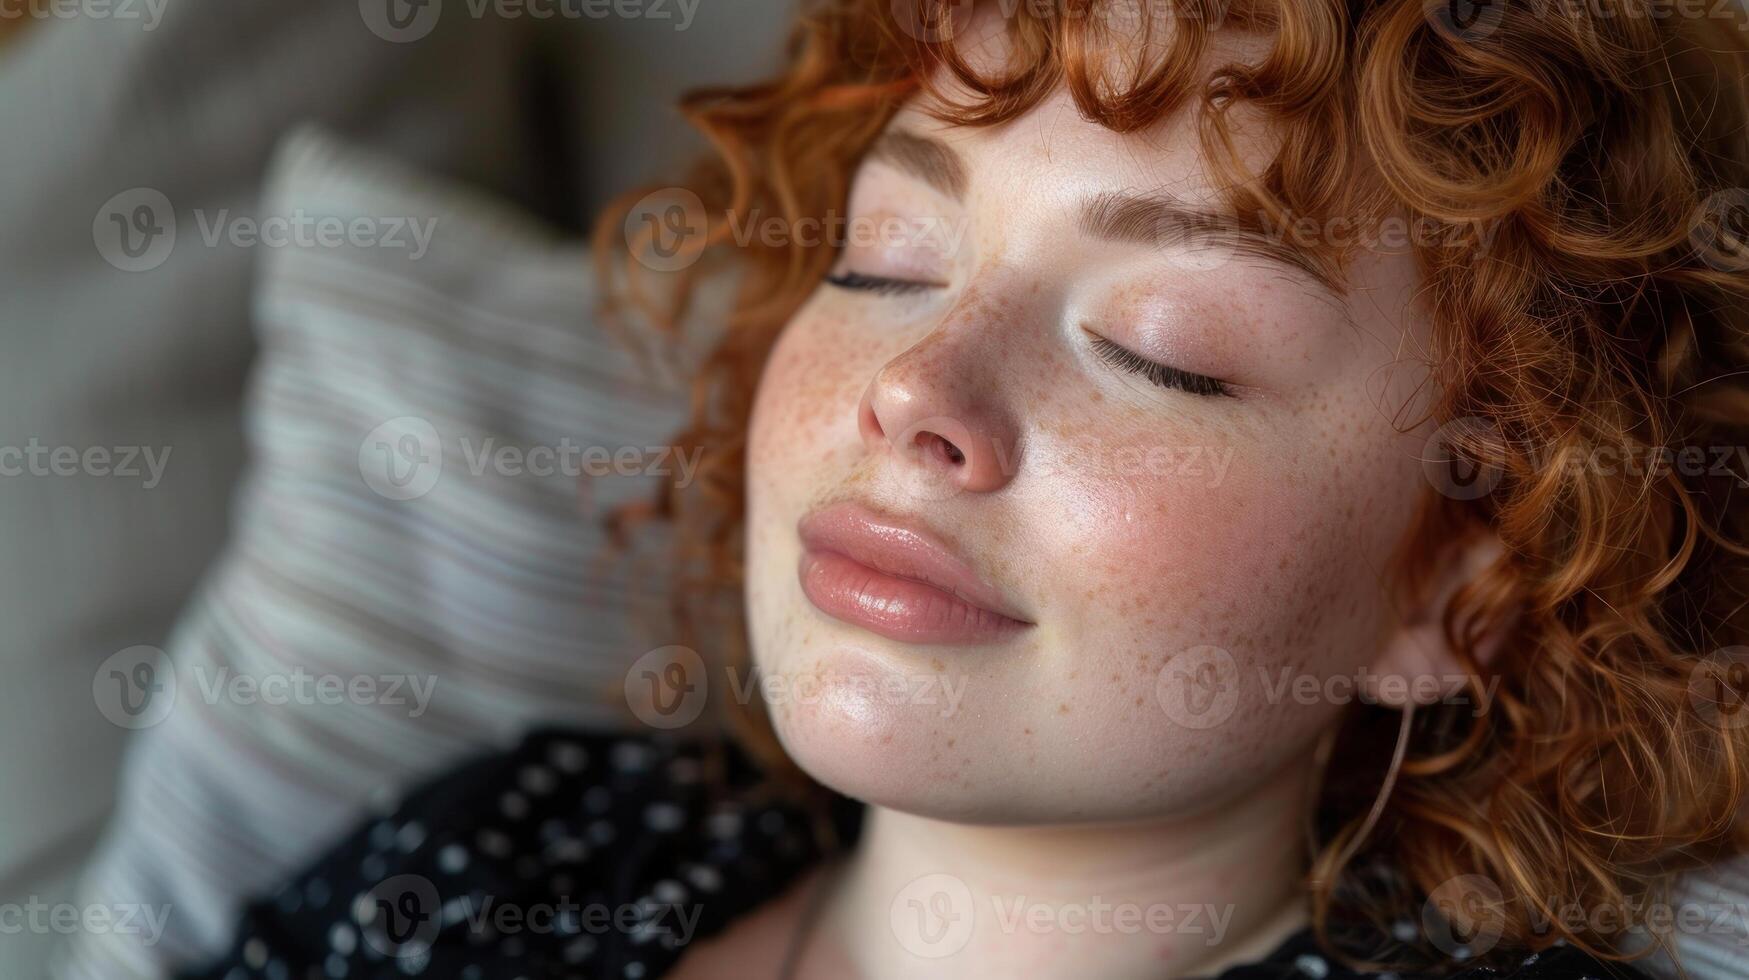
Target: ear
x=1415, y=663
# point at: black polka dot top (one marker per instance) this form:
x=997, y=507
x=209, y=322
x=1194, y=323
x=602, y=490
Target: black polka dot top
x=596, y=857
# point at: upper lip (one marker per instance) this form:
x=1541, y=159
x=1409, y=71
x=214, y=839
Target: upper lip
x=904, y=549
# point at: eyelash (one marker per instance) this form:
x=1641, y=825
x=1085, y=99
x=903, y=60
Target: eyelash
x=880, y=285
x=1125, y=359
x=1111, y=352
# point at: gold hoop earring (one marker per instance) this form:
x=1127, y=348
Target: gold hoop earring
x=1390, y=783
x=1321, y=766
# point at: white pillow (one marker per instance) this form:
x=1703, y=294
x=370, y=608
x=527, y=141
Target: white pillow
x=403, y=615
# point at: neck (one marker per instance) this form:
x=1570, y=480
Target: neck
x=923, y=898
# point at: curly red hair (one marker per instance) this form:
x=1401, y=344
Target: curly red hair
x=1582, y=156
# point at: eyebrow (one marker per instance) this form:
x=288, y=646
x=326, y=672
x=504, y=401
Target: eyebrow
x=1154, y=220
x=924, y=157
x=1166, y=222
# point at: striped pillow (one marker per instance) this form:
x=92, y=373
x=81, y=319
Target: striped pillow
x=415, y=572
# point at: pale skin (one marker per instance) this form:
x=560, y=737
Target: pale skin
x=1137, y=527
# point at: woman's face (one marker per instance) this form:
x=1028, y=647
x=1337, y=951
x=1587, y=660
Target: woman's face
x=1001, y=567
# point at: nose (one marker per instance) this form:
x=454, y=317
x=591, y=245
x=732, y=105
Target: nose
x=928, y=409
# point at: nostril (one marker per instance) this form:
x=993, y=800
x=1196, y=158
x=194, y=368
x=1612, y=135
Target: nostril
x=868, y=421
x=940, y=447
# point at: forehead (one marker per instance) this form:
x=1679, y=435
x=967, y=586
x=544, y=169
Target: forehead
x=1055, y=140
x=1054, y=147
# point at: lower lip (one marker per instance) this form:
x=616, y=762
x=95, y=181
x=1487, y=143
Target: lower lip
x=897, y=608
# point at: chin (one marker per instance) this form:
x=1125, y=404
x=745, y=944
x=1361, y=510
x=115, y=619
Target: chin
x=895, y=728
x=863, y=725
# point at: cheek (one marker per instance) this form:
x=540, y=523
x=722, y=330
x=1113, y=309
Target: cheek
x=1202, y=593
x=1249, y=545
x=801, y=440
x=807, y=397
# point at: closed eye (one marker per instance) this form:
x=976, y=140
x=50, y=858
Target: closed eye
x=1125, y=359
x=878, y=284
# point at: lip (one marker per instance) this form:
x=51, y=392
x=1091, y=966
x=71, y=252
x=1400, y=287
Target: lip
x=898, y=580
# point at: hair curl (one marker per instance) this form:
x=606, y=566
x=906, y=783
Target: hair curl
x=1587, y=155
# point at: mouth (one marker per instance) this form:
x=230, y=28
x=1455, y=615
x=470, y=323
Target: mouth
x=898, y=580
